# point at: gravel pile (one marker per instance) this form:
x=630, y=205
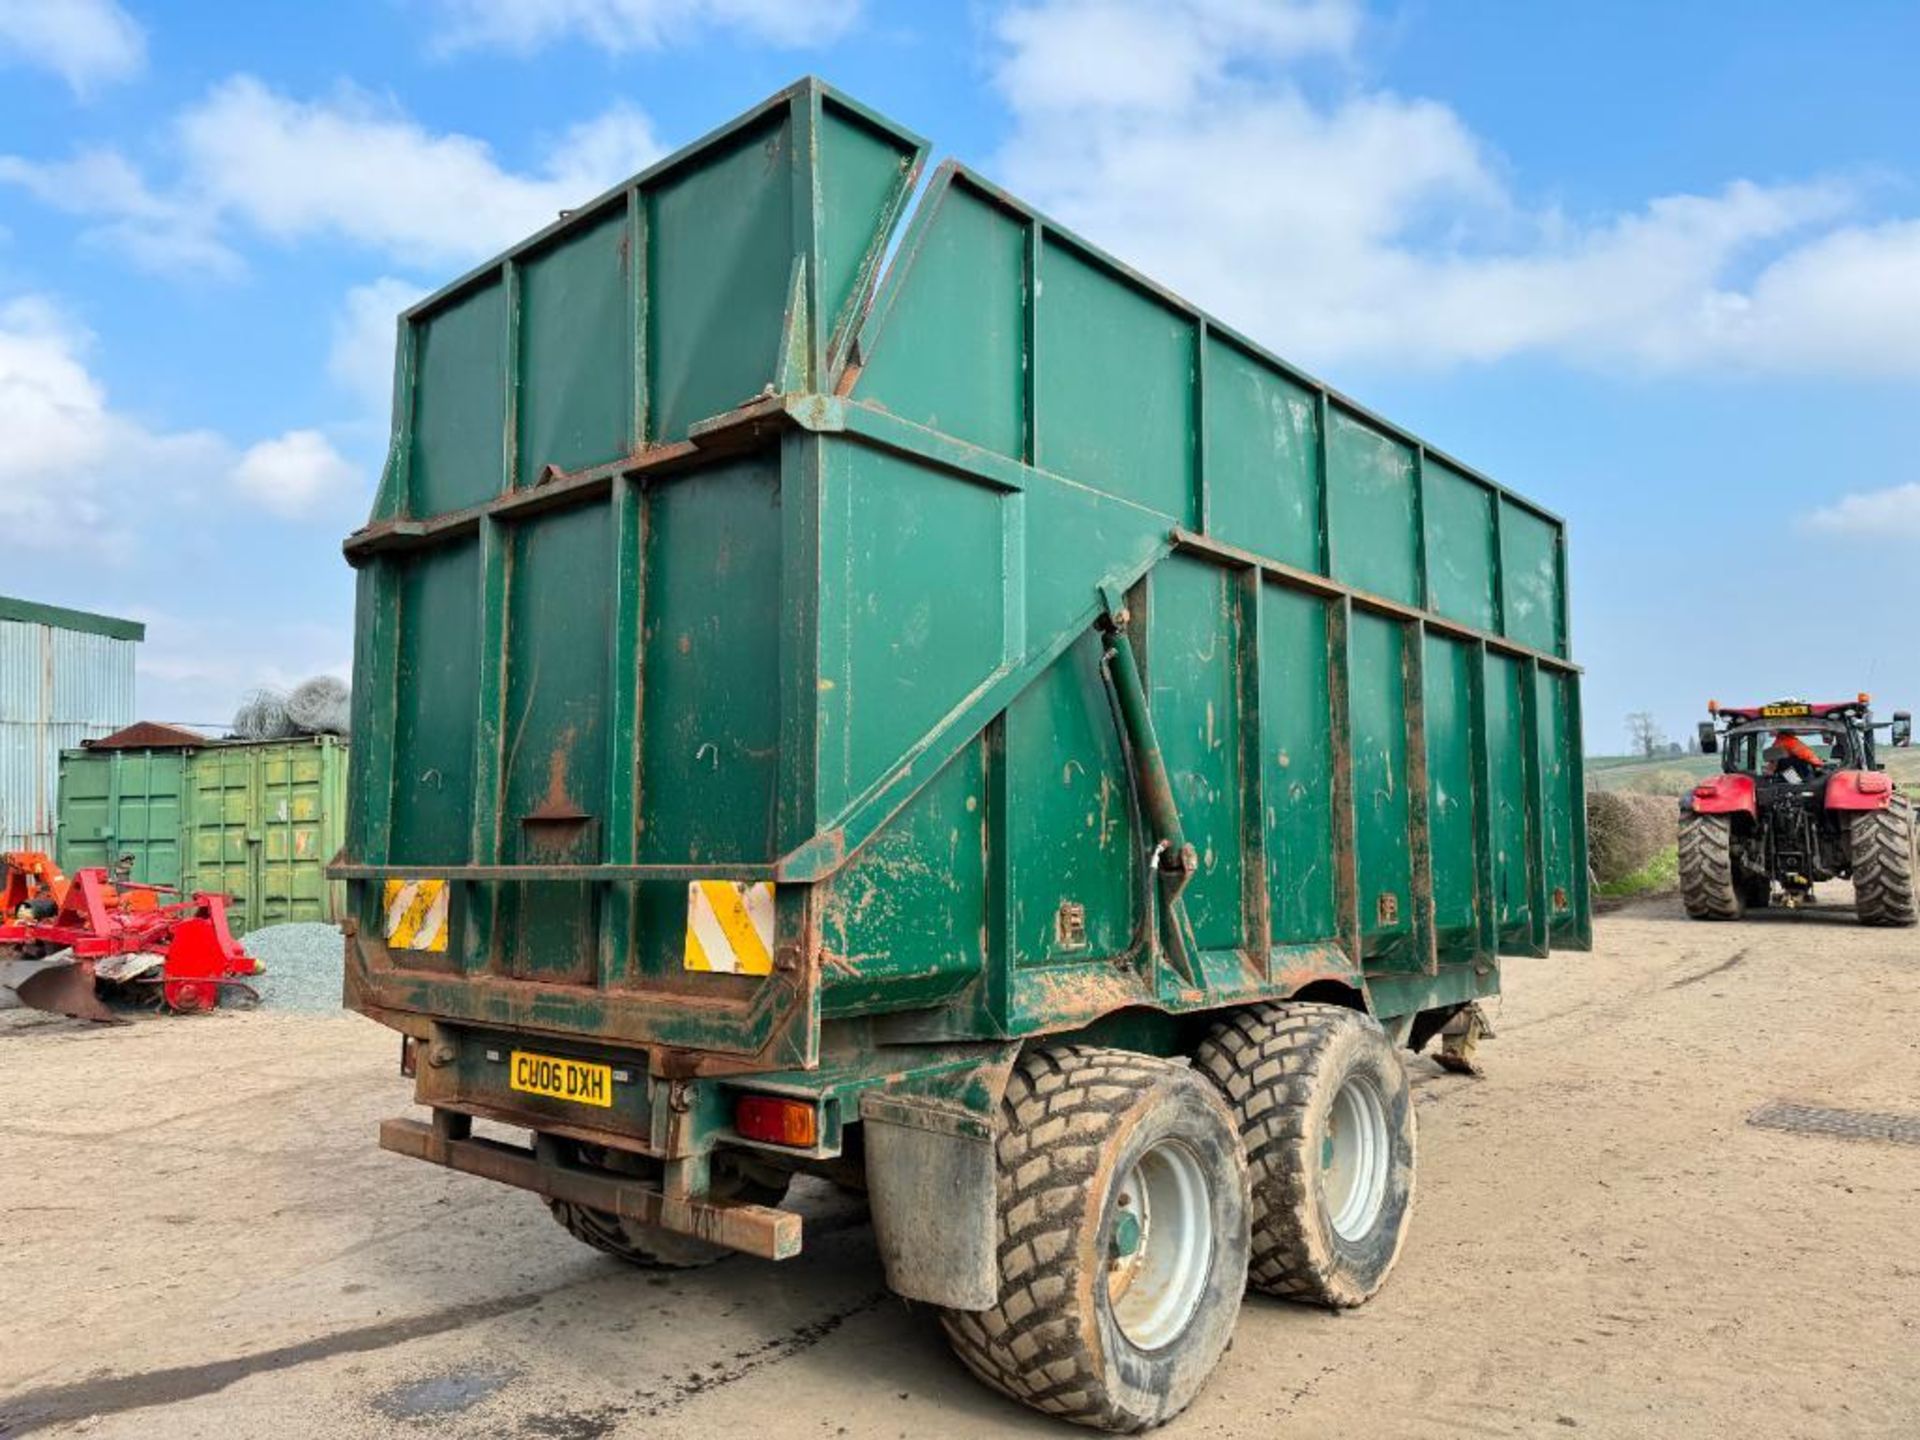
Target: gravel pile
x=303, y=967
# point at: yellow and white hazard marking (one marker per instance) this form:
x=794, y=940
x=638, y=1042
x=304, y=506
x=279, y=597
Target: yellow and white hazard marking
x=417, y=914
x=730, y=927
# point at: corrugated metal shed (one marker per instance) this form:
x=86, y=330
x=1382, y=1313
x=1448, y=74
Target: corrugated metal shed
x=65, y=676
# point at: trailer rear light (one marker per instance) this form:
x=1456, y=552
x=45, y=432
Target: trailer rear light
x=777, y=1121
x=409, y=1065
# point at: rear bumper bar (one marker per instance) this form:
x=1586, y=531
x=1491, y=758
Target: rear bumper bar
x=754, y=1229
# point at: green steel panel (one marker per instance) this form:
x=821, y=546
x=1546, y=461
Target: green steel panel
x=710, y=719
x=1530, y=565
x=431, y=801
x=1462, y=563
x=1192, y=650
x=898, y=649
x=460, y=404
x=970, y=290
x=575, y=397
x=1562, y=788
x=1079, y=539
x=719, y=275
x=1262, y=449
x=1377, y=713
x=116, y=803
x=903, y=925
x=1071, y=837
x=1451, y=802
x=1114, y=384
x=1507, y=742
x=555, y=736
x=1297, y=749
x=866, y=174
x=1373, y=510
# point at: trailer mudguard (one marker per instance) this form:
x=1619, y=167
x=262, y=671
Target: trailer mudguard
x=930, y=1180
x=1725, y=795
x=1859, y=790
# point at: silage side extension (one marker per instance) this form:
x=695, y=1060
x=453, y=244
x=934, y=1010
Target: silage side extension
x=774, y=687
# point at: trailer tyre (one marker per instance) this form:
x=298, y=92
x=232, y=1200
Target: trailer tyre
x=650, y=1247
x=1884, y=862
x=1707, y=885
x=1123, y=1240
x=647, y=1246
x=1326, y=1113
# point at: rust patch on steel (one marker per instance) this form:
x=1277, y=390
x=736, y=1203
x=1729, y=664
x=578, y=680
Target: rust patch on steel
x=556, y=826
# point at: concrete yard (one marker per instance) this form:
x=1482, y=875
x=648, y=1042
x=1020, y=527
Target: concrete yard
x=202, y=1240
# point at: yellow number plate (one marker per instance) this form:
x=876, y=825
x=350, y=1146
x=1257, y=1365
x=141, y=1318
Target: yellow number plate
x=1772, y=712
x=560, y=1079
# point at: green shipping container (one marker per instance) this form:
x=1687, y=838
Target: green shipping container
x=123, y=803
x=254, y=820
x=263, y=820
x=806, y=662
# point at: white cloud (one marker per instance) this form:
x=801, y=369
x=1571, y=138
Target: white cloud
x=296, y=475
x=164, y=234
x=69, y=458
x=1067, y=55
x=351, y=168
x=85, y=42
x=73, y=461
x=1890, y=514
x=364, y=331
x=1379, y=227
x=362, y=171
x=622, y=25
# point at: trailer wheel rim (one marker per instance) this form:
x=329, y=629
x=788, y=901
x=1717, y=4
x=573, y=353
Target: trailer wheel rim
x=1160, y=1245
x=1355, y=1158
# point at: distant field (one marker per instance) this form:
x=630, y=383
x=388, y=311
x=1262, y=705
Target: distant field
x=1670, y=774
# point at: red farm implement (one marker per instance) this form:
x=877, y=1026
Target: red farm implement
x=60, y=939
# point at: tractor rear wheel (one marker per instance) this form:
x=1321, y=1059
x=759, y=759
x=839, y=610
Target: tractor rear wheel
x=1327, y=1116
x=1707, y=885
x=1123, y=1240
x=1884, y=861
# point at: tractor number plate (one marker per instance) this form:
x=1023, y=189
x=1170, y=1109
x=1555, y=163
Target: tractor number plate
x=560, y=1079
x=1772, y=712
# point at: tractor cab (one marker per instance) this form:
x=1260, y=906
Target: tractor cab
x=1765, y=750
x=1761, y=740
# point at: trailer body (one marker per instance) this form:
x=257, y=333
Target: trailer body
x=801, y=662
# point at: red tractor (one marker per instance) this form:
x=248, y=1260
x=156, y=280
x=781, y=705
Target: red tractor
x=1800, y=798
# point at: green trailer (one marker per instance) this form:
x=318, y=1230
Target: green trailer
x=877, y=687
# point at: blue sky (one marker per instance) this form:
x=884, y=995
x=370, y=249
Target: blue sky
x=1656, y=266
